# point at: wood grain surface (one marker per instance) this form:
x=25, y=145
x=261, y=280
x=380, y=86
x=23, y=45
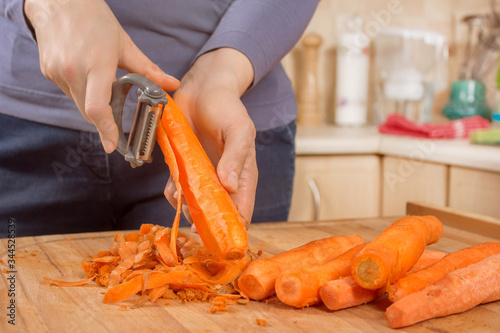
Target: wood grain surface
x=44, y=308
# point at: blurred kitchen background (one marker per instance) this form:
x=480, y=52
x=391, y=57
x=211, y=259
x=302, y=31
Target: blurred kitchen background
x=419, y=62
x=443, y=17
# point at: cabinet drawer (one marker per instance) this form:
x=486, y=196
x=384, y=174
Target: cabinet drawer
x=336, y=187
x=475, y=191
x=406, y=180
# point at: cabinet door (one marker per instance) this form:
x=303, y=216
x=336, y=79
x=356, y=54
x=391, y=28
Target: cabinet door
x=406, y=180
x=475, y=191
x=336, y=187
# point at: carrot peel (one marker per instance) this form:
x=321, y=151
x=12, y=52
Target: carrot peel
x=69, y=283
x=162, y=139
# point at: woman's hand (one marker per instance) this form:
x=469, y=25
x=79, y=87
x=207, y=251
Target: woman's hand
x=209, y=96
x=81, y=44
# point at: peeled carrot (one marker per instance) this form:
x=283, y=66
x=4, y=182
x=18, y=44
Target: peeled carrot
x=455, y=260
x=299, y=287
x=458, y=291
x=395, y=251
x=258, y=279
x=346, y=292
x=214, y=214
x=426, y=259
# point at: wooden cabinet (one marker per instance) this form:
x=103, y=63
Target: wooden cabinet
x=363, y=186
x=336, y=187
x=406, y=180
x=475, y=191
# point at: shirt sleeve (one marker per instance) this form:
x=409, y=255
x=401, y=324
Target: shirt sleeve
x=13, y=10
x=264, y=30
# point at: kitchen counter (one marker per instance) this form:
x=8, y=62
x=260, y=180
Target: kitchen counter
x=44, y=308
x=332, y=140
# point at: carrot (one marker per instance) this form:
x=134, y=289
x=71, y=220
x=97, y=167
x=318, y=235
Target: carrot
x=426, y=259
x=346, y=292
x=214, y=214
x=458, y=291
x=258, y=279
x=455, y=260
x=395, y=251
x=299, y=287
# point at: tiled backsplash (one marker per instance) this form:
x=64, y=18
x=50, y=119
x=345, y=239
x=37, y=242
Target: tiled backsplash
x=442, y=16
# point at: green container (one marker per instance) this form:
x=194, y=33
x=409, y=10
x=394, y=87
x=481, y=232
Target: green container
x=468, y=98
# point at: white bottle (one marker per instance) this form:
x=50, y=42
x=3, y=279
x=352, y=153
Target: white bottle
x=352, y=74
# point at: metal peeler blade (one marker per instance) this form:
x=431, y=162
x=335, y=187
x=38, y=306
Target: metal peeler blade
x=151, y=101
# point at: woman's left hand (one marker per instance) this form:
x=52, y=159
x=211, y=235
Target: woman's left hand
x=209, y=96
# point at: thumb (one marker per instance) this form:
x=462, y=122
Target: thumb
x=134, y=61
x=239, y=140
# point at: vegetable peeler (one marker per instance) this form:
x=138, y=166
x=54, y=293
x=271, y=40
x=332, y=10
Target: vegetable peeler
x=150, y=104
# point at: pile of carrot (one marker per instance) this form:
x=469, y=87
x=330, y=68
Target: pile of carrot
x=297, y=279
x=259, y=278
x=422, y=283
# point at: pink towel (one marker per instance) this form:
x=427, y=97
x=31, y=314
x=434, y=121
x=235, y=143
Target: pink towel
x=460, y=128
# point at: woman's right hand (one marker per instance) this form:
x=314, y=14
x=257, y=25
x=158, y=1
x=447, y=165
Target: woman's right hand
x=81, y=45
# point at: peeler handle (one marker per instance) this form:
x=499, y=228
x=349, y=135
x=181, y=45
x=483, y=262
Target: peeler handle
x=149, y=93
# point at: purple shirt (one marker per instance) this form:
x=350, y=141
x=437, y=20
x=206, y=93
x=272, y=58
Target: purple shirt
x=172, y=33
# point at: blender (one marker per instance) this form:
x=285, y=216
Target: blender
x=411, y=68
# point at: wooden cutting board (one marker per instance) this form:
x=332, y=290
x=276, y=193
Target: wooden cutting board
x=44, y=308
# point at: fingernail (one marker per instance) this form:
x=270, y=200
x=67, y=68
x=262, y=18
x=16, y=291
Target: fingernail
x=171, y=77
x=232, y=181
x=108, y=146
